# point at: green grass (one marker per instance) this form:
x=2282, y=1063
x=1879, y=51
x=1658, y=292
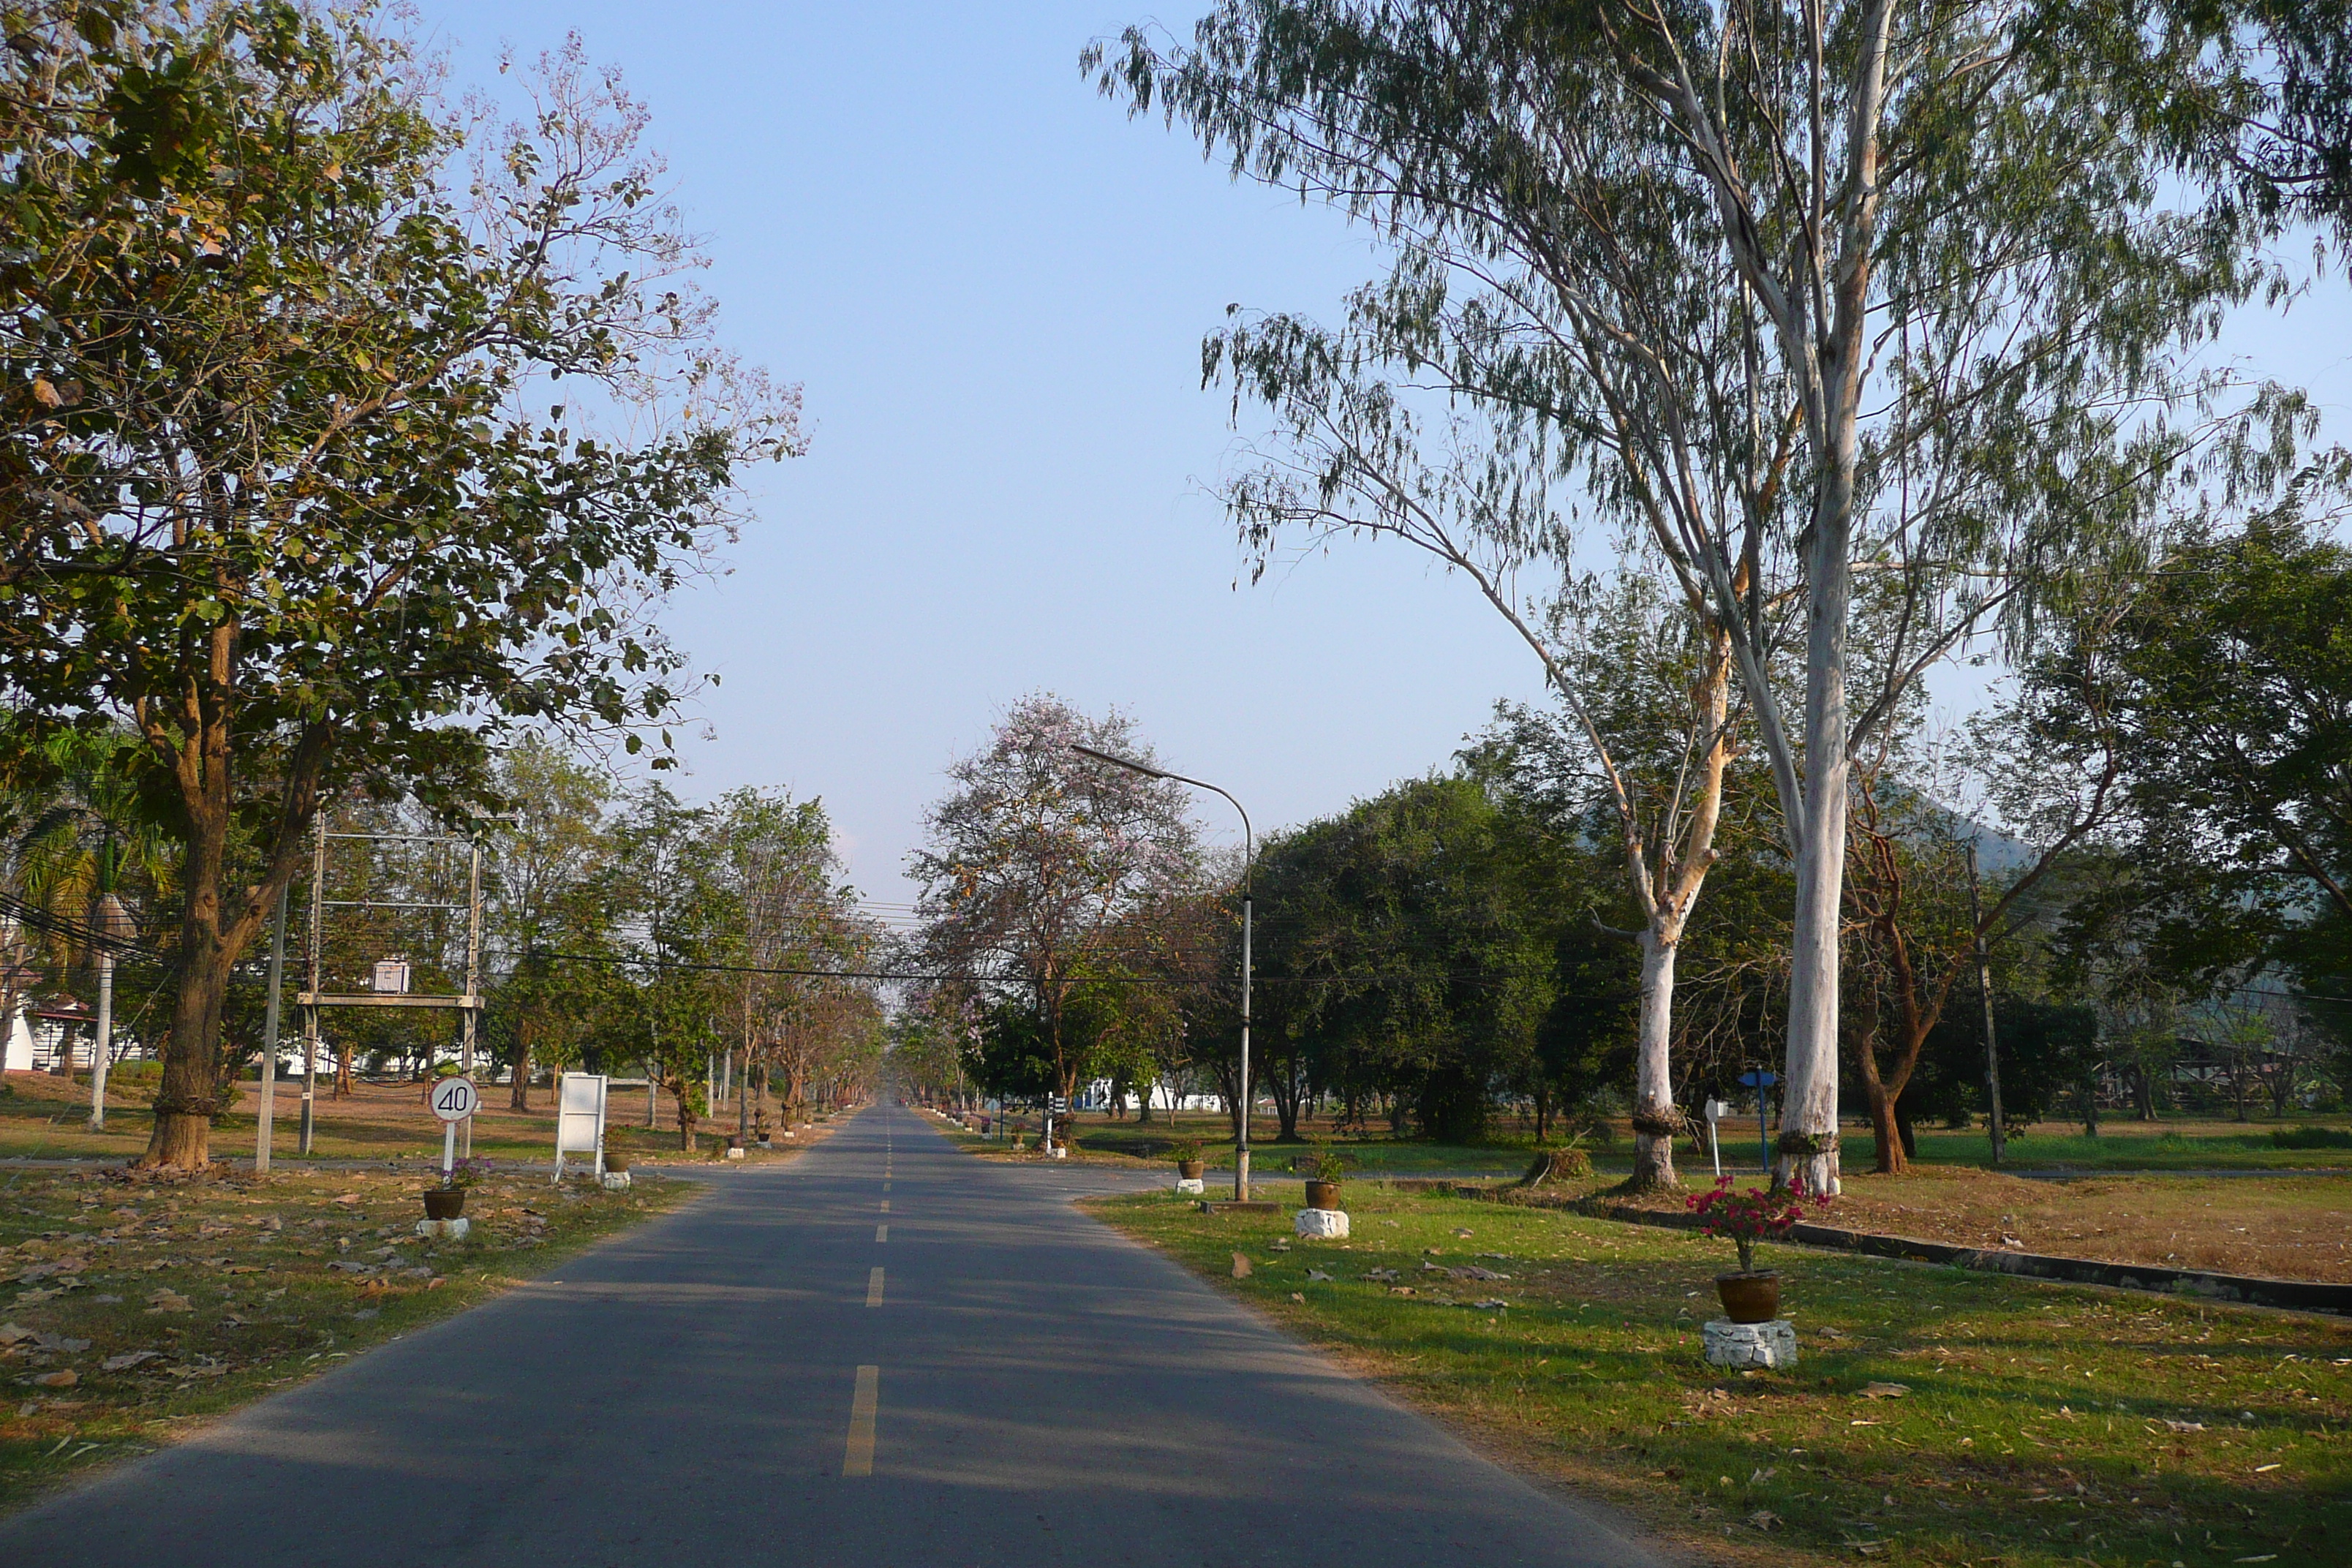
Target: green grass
x=232, y=1306
x=2037, y=1430
x=2130, y=1147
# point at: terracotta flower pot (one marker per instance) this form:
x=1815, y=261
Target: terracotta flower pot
x=1323, y=1194
x=1190, y=1169
x=616, y=1159
x=444, y=1202
x=1749, y=1297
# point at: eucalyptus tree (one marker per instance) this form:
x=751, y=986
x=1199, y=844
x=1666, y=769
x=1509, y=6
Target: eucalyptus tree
x=289, y=493
x=1848, y=304
x=1035, y=855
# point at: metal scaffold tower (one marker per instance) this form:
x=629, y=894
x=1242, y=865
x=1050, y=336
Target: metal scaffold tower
x=391, y=974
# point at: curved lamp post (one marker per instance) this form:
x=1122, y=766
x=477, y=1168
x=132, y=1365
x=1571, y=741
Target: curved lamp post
x=1241, y=1143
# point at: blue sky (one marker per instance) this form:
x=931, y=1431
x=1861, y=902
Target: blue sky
x=992, y=286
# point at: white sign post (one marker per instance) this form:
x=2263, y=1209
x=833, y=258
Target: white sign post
x=1716, y=1111
x=453, y=1100
x=580, y=1120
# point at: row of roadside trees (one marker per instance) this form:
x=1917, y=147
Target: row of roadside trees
x=1821, y=344
x=354, y=431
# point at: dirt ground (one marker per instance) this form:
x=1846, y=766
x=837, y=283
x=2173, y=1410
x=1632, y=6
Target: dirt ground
x=48, y=1117
x=2281, y=1228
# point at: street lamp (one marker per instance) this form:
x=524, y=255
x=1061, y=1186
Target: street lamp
x=1241, y=1143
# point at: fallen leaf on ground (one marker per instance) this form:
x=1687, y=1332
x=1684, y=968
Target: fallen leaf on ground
x=1884, y=1390
x=1241, y=1267
x=65, y=1379
x=1317, y=1276
x=11, y=1333
x=128, y=1360
x=1764, y=1518
x=169, y=1301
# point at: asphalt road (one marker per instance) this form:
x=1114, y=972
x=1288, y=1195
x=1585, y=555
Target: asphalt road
x=772, y=1375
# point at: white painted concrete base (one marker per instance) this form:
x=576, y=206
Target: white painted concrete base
x=616, y=1181
x=1330, y=1225
x=1773, y=1344
x=1058, y=1152
x=448, y=1229
x=734, y=1153
x=1191, y=1184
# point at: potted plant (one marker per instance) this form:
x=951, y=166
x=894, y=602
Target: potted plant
x=1323, y=1187
x=1753, y=1295
x=617, y=1149
x=447, y=1201
x=1187, y=1153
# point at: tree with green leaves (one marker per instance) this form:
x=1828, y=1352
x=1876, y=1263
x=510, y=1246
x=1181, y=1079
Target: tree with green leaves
x=1408, y=947
x=544, y=869
x=1034, y=856
x=291, y=491
x=1862, y=314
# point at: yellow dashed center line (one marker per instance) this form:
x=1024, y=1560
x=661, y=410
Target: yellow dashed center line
x=881, y=1233
x=874, y=1286
x=857, y=1459
x=885, y=1205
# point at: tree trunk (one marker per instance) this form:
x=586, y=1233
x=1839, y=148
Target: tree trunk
x=1809, y=1080
x=686, y=1117
x=1885, y=1134
x=518, y=1093
x=1288, y=1092
x=1654, y=1116
x=2144, y=1092
x=181, y=1138
x=1906, y=1132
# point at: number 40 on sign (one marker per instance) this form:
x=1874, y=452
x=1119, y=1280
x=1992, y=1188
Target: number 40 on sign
x=453, y=1100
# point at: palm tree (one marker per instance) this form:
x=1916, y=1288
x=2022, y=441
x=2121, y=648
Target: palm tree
x=82, y=839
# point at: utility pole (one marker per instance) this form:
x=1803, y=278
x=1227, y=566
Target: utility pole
x=468, y=1020
x=269, y=1108
x=1984, y=995
x=113, y=923
x=310, y=1007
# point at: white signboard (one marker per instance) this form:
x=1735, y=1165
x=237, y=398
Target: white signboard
x=580, y=1118
x=456, y=1098
x=391, y=976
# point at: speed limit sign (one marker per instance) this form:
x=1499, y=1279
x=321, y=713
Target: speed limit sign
x=456, y=1098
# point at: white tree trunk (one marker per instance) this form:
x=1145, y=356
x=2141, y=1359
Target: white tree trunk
x=1809, y=1080
x=1654, y=1094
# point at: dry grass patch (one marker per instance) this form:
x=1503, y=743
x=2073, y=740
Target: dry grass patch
x=133, y=1308
x=2280, y=1227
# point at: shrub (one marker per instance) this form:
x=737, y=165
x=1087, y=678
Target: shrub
x=1750, y=1216
x=2311, y=1138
